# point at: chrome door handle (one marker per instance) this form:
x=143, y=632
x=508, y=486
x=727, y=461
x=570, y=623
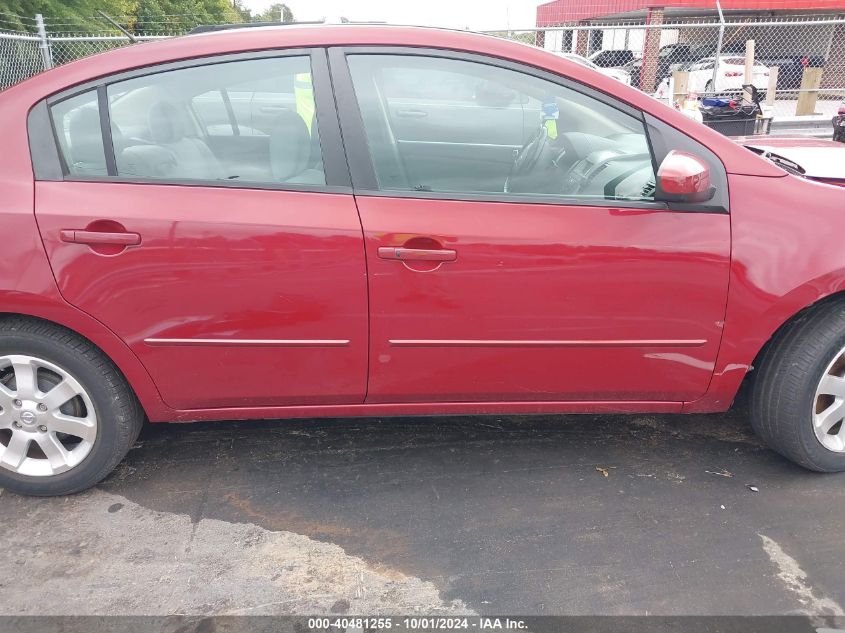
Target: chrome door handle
x=400, y=253
x=77, y=236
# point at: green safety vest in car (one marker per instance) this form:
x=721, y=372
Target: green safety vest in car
x=303, y=92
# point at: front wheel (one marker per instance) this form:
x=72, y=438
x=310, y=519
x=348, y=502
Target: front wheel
x=67, y=415
x=798, y=396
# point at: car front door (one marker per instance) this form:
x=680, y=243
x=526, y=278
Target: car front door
x=237, y=277
x=560, y=279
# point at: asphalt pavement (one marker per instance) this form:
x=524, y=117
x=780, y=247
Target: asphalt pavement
x=638, y=515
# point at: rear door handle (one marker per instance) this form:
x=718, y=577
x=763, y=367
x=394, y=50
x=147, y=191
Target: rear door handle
x=417, y=254
x=76, y=236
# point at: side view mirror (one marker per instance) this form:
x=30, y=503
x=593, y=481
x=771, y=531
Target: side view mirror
x=684, y=177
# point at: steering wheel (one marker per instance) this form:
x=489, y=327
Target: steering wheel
x=528, y=156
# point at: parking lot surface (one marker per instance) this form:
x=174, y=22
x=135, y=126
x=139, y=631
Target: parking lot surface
x=524, y=515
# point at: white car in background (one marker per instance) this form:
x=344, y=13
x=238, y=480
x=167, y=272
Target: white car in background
x=730, y=76
x=616, y=73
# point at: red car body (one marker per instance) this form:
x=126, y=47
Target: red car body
x=546, y=308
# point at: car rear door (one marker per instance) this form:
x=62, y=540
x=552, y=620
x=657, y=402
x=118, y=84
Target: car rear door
x=238, y=278
x=530, y=290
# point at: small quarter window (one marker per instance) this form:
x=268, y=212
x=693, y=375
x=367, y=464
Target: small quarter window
x=77, y=124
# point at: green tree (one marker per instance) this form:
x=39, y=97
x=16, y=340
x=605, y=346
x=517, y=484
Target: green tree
x=69, y=14
x=273, y=13
x=246, y=13
x=150, y=18
x=142, y=16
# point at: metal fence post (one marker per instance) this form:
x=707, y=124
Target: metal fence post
x=718, y=43
x=43, y=42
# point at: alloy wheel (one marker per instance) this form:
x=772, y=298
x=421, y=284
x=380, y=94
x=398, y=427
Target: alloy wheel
x=829, y=406
x=48, y=423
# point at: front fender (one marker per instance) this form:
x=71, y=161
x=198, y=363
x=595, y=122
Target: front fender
x=785, y=257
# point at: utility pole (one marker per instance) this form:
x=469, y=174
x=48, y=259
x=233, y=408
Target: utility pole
x=718, y=43
x=43, y=42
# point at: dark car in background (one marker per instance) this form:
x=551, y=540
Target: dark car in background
x=674, y=57
x=791, y=67
x=615, y=58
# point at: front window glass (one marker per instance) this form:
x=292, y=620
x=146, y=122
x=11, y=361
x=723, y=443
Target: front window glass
x=244, y=121
x=445, y=125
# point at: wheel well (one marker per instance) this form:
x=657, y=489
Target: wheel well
x=821, y=304
x=11, y=317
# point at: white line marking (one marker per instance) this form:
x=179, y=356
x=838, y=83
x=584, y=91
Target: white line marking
x=795, y=579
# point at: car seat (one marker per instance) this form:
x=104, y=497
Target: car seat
x=85, y=139
x=292, y=151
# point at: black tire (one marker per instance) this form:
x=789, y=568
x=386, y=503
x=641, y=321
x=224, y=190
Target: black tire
x=119, y=413
x=783, y=391
x=708, y=88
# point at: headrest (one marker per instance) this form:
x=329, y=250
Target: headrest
x=290, y=146
x=166, y=123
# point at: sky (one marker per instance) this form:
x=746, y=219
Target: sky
x=478, y=15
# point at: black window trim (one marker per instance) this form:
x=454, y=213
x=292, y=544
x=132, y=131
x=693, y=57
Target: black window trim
x=362, y=171
x=105, y=129
x=47, y=157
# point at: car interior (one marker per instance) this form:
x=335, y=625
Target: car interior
x=219, y=122
x=432, y=124
x=464, y=126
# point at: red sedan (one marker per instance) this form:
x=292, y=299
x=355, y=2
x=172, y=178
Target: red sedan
x=367, y=220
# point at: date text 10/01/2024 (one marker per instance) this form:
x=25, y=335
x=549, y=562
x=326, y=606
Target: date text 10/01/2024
x=416, y=623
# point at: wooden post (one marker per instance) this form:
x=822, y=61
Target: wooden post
x=810, y=82
x=771, y=89
x=680, y=83
x=748, y=77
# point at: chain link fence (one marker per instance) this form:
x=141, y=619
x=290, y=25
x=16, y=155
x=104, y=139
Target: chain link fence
x=20, y=58
x=801, y=58
x=21, y=54
x=66, y=48
x=29, y=45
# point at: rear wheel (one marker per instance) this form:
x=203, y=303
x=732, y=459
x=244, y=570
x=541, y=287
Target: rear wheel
x=67, y=415
x=798, y=396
